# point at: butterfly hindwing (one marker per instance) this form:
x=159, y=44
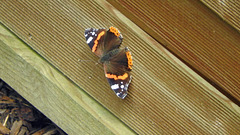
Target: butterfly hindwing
x=117, y=72
x=120, y=87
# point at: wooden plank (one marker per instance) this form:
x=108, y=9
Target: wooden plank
x=52, y=93
x=194, y=34
x=165, y=95
x=227, y=10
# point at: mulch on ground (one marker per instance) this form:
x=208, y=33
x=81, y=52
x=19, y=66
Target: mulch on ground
x=19, y=117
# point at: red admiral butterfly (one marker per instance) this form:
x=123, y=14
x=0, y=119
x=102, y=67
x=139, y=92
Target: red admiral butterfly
x=116, y=62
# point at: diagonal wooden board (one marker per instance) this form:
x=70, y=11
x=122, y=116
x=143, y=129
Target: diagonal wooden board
x=165, y=95
x=196, y=35
x=228, y=10
x=51, y=92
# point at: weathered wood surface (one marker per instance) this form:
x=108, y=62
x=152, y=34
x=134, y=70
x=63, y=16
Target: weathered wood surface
x=52, y=93
x=228, y=10
x=196, y=35
x=165, y=96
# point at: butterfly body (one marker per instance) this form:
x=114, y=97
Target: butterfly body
x=106, y=57
x=116, y=62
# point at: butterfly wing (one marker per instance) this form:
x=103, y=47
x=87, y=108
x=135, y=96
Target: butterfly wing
x=101, y=41
x=117, y=72
x=104, y=44
x=113, y=39
x=95, y=40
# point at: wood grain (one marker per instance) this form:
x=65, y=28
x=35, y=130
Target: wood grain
x=194, y=34
x=227, y=10
x=52, y=93
x=165, y=96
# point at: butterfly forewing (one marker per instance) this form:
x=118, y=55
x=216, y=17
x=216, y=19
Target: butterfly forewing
x=101, y=41
x=113, y=39
x=95, y=40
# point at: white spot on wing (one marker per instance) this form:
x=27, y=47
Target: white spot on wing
x=89, y=40
x=122, y=86
x=118, y=94
x=115, y=86
x=93, y=33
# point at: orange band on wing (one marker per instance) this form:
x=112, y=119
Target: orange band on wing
x=115, y=77
x=115, y=31
x=129, y=57
x=96, y=41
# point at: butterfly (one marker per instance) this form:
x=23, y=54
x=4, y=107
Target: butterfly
x=117, y=63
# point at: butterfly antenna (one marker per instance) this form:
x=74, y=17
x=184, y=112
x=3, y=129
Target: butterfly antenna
x=93, y=69
x=85, y=60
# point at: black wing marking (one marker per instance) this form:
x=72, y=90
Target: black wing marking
x=95, y=40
